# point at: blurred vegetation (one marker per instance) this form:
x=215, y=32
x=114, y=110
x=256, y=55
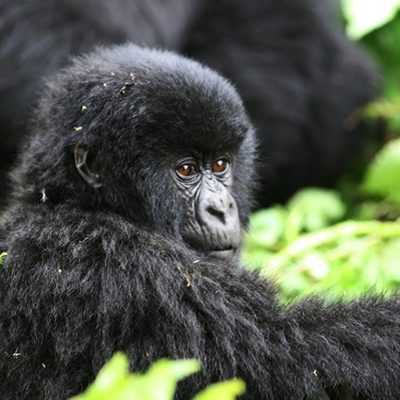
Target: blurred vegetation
x=344, y=242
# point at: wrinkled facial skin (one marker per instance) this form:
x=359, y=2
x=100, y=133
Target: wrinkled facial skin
x=211, y=223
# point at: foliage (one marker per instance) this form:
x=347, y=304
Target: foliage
x=319, y=243
x=376, y=25
x=383, y=44
x=115, y=382
x=382, y=177
x=2, y=257
x=364, y=16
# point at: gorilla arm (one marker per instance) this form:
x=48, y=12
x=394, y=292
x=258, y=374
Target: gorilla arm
x=77, y=286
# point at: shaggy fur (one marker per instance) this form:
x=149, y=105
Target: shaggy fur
x=92, y=271
x=299, y=77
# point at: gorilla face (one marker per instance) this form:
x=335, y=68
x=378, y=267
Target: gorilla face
x=212, y=221
x=156, y=138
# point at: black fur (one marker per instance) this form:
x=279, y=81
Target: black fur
x=92, y=271
x=300, y=79
x=299, y=76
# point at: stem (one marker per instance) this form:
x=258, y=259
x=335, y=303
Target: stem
x=382, y=108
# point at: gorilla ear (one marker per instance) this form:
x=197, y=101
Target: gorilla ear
x=80, y=156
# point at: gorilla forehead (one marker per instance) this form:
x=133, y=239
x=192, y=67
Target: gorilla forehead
x=151, y=94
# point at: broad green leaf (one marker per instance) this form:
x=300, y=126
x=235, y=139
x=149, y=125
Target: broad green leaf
x=313, y=209
x=293, y=283
x=228, y=390
x=315, y=265
x=175, y=369
x=383, y=45
x=383, y=175
x=390, y=260
x=267, y=226
x=363, y=16
x=114, y=382
x=110, y=381
x=256, y=257
x=163, y=376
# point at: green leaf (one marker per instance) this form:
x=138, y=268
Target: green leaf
x=313, y=209
x=110, y=381
x=390, y=261
x=315, y=265
x=363, y=16
x=383, y=44
x=163, y=376
x=255, y=257
x=383, y=175
x=267, y=226
x=228, y=390
x=114, y=382
x=2, y=257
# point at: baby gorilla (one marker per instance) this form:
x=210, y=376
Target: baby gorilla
x=122, y=235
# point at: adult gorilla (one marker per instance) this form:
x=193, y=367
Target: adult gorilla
x=299, y=76
x=123, y=233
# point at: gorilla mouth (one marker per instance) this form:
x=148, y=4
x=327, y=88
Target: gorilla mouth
x=223, y=254
x=219, y=249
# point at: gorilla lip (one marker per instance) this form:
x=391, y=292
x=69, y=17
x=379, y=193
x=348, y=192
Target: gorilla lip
x=222, y=253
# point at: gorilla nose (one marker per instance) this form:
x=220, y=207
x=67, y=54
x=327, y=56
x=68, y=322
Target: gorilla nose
x=215, y=228
x=218, y=213
x=218, y=210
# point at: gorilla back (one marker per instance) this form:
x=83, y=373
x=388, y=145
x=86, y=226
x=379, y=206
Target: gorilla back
x=122, y=235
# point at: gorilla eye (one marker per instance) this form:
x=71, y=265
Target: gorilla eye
x=220, y=166
x=186, y=170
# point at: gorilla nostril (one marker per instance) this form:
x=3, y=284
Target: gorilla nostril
x=216, y=213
